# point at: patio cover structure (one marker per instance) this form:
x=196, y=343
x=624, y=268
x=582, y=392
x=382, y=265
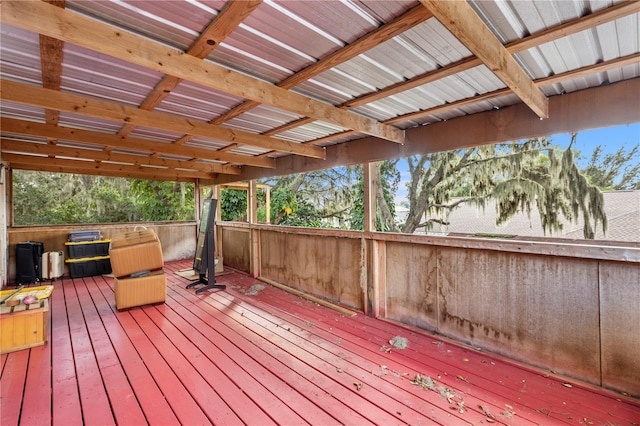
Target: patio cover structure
x=229, y=91
x=217, y=92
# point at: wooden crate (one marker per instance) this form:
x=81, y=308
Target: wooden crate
x=23, y=326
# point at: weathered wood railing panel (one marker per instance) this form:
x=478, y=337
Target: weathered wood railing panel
x=571, y=308
x=324, y=265
x=178, y=239
x=236, y=248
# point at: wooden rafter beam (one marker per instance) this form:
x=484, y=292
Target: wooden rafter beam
x=547, y=81
x=603, y=106
x=51, y=54
x=49, y=20
x=563, y=30
x=98, y=154
x=384, y=33
x=46, y=98
x=81, y=166
x=231, y=15
x=32, y=128
x=568, y=28
x=461, y=20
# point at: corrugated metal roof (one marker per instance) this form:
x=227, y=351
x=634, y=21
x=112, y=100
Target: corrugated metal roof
x=279, y=38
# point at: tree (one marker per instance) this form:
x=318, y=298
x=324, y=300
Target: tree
x=614, y=171
x=164, y=200
x=322, y=198
x=41, y=198
x=518, y=176
x=233, y=204
x=386, y=177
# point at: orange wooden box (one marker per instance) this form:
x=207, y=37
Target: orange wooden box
x=23, y=326
x=132, y=259
x=139, y=291
x=131, y=238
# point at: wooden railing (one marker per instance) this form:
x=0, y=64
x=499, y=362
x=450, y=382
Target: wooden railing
x=178, y=239
x=567, y=306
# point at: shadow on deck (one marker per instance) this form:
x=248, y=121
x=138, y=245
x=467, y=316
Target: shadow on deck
x=254, y=354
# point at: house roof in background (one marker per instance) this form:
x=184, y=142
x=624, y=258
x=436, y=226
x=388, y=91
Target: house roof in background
x=213, y=89
x=622, y=209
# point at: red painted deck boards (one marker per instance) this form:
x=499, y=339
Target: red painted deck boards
x=225, y=357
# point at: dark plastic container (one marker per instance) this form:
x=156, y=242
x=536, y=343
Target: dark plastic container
x=89, y=267
x=80, y=250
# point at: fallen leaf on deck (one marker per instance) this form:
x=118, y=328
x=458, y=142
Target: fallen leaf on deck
x=486, y=411
x=425, y=382
x=446, y=393
x=507, y=414
x=358, y=385
x=459, y=377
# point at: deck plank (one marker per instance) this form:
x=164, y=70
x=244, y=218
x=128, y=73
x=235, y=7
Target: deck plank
x=93, y=396
x=377, y=405
x=204, y=394
x=65, y=396
x=226, y=357
x=265, y=369
x=124, y=405
x=357, y=342
x=374, y=366
x=495, y=375
x=280, y=362
x=251, y=400
x=150, y=397
x=12, y=382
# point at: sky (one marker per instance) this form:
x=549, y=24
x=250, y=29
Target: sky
x=611, y=138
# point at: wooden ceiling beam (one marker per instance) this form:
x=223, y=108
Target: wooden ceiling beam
x=547, y=81
x=51, y=55
x=76, y=104
x=49, y=20
x=382, y=34
x=231, y=15
x=81, y=167
x=32, y=128
x=603, y=106
x=568, y=28
x=563, y=30
x=465, y=24
x=99, y=154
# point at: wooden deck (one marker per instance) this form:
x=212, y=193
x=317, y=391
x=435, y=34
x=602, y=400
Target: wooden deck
x=235, y=357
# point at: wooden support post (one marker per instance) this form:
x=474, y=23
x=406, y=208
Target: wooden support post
x=372, y=251
x=268, y=205
x=254, y=250
x=216, y=191
x=369, y=197
x=379, y=278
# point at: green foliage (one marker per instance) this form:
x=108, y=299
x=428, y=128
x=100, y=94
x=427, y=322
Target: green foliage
x=386, y=175
x=233, y=204
x=615, y=171
x=322, y=198
x=520, y=177
x=42, y=198
x=163, y=200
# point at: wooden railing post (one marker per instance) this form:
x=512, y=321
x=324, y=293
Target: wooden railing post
x=254, y=250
